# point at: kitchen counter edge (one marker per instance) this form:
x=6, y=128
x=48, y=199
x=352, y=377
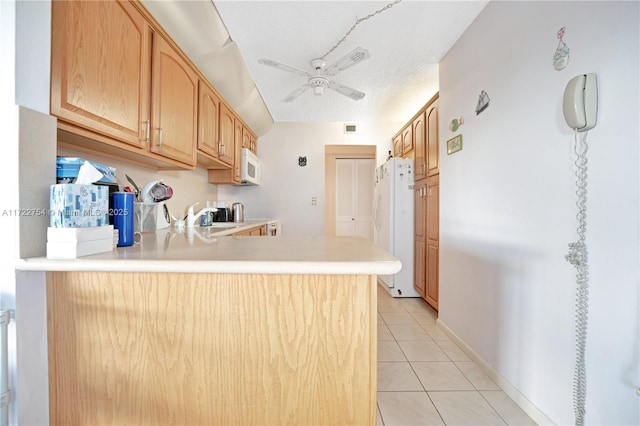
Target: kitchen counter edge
x=235, y=255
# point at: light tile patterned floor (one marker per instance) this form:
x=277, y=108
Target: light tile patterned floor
x=426, y=379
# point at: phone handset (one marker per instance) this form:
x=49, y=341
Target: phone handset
x=580, y=103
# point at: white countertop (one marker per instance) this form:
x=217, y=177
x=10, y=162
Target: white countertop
x=207, y=250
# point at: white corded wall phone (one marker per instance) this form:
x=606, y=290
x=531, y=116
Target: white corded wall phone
x=580, y=106
x=580, y=103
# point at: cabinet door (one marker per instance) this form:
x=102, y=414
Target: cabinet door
x=101, y=68
x=249, y=140
x=246, y=139
x=419, y=140
x=174, y=104
x=432, y=240
x=397, y=146
x=407, y=140
x=432, y=276
x=420, y=256
x=433, y=165
x=433, y=209
x=208, y=120
x=237, y=150
x=226, y=149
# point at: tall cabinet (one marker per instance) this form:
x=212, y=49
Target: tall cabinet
x=423, y=148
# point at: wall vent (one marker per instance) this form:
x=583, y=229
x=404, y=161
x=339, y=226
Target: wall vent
x=350, y=128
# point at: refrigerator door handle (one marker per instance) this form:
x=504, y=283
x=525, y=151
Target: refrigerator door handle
x=377, y=219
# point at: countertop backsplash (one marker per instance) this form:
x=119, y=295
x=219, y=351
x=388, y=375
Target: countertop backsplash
x=188, y=186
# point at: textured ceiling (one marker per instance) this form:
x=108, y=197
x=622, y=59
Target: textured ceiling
x=406, y=42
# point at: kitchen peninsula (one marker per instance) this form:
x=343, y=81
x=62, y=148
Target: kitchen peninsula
x=194, y=328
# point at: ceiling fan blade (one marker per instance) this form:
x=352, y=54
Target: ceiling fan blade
x=355, y=56
x=283, y=67
x=354, y=94
x=294, y=95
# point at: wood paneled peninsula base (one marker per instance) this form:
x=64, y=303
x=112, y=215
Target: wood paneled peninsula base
x=226, y=348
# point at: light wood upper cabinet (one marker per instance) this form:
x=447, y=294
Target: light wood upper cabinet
x=122, y=88
x=407, y=140
x=397, y=146
x=101, y=68
x=226, y=149
x=174, y=104
x=232, y=131
x=433, y=163
x=237, y=166
x=208, y=120
x=419, y=140
x=249, y=141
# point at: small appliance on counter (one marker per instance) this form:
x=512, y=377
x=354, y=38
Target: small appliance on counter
x=223, y=214
x=238, y=212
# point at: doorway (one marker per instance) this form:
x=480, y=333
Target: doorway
x=333, y=153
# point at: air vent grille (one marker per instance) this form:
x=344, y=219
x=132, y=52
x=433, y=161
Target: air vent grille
x=350, y=128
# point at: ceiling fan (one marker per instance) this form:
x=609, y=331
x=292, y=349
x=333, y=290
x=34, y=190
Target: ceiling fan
x=319, y=80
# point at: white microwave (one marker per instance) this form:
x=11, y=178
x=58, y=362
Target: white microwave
x=250, y=168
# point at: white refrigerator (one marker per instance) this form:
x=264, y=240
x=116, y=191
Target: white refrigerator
x=393, y=230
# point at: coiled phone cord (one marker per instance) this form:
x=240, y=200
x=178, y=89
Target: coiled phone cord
x=578, y=257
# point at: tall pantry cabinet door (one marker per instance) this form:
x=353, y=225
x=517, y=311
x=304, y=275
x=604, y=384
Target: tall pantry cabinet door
x=226, y=150
x=433, y=165
x=420, y=142
x=208, y=120
x=420, y=237
x=174, y=104
x=433, y=240
x=101, y=68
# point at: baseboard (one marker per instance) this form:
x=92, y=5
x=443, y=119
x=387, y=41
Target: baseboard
x=527, y=406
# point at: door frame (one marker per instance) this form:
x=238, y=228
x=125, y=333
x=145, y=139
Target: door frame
x=331, y=154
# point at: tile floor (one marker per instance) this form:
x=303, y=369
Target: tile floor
x=425, y=379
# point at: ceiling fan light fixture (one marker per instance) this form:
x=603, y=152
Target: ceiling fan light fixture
x=320, y=80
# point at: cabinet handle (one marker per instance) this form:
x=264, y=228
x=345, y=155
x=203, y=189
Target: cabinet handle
x=147, y=130
x=159, y=136
x=221, y=148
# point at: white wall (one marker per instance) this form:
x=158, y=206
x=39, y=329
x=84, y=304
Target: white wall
x=24, y=75
x=286, y=190
x=508, y=203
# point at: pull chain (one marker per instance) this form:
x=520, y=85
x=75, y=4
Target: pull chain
x=389, y=6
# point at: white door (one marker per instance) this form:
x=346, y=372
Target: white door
x=354, y=197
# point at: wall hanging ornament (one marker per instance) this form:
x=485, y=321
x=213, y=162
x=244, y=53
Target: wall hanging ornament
x=455, y=124
x=483, y=102
x=302, y=161
x=561, y=55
